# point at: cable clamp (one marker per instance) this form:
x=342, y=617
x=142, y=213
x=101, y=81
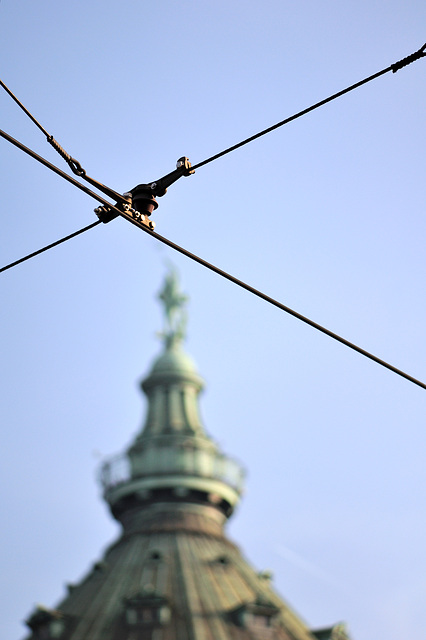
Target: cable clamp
x=138, y=204
x=409, y=59
x=107, y=213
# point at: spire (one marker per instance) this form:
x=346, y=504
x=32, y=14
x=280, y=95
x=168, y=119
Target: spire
x=172, y=459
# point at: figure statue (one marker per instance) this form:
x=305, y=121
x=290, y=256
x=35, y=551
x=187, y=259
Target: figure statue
x=174, y=309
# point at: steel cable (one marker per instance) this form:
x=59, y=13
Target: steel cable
x=50, y=246
x=393, y=67
x=247, y=287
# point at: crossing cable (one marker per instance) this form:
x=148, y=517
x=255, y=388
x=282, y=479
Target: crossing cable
x=74, y=165
x=394, y=68
x=421, y=53
x=54, y=168
x=78, y=170
x=256, y=292
x=50, y=246
x=204, y=263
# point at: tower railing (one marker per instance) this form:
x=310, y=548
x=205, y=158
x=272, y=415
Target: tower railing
x=120, y=469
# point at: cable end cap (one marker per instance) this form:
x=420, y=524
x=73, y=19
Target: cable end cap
x=184, y=164
x=105, y=214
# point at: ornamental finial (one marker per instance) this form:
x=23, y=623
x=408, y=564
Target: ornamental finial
x=174, y=310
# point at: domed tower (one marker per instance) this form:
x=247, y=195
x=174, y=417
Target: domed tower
x=173, y=574
x=173, y=471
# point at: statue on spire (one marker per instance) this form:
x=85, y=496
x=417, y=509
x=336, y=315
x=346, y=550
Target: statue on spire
x=174, y=310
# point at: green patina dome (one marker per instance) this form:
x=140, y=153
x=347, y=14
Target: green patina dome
x=173, y=365
x=173, y=360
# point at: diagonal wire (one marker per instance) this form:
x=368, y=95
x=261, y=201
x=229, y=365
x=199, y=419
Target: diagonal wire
x=286, y=309
x=50, y=246
x=204, y=263
x=77, y=169
x=52, y=167
x=19, y=103
x=74, y=164
x=393, y=67
x=243, y=285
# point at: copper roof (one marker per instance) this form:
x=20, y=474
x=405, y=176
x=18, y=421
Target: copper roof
x=175, y=557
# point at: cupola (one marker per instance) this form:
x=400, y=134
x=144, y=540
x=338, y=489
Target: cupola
x=172, y=460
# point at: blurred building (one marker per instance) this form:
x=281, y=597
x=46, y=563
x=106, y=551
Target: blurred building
x=173, y=574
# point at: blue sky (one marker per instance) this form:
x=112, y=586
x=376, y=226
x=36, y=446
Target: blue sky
x=325, y=214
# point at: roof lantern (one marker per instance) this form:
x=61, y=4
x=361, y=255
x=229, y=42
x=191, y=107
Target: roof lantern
x=172, y=458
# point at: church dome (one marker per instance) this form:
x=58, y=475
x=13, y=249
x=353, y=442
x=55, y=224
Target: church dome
x=173, y=360
x=173, y=365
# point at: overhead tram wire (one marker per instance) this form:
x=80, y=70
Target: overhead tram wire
x=286, y=309
x=74, y=164
x=50, y=246
x=205, y=264
x=53, y=167
x=394, y=68
x=77, y=169
x=421, y=53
